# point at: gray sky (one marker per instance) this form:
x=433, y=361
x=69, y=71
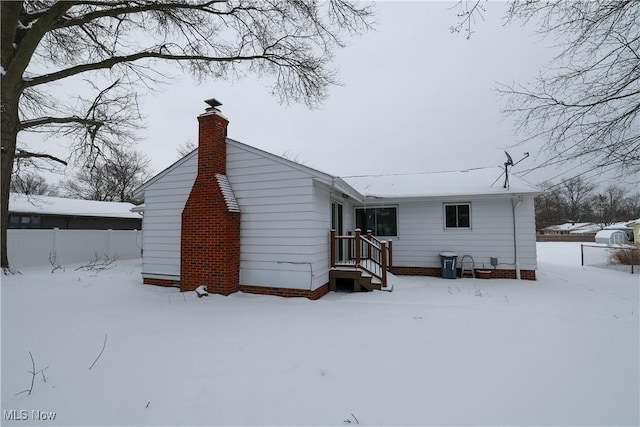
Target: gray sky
x=415, y=98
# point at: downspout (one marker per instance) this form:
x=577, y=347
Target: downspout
x=515, y=234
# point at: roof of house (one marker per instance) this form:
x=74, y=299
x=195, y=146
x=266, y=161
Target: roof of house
x=319, y=175
x=620, y=225
x=472, y=182
x=47, y=205
x=569, y=226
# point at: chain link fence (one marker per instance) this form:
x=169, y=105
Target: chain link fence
x=624, y=258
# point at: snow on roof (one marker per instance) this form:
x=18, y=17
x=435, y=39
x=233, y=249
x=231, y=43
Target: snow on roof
x=569, y=226
x=619, y=225
x=586, y=229
x=227, y=193
x=472, y=182
x=47, y=205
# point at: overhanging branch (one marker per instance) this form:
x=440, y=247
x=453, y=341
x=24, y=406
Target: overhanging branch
x=24, y=154
x=42, y=121
x=108, y=63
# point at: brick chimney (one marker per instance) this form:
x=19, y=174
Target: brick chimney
x=210, y=241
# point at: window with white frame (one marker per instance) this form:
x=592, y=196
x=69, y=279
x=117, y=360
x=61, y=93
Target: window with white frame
x=457, y=215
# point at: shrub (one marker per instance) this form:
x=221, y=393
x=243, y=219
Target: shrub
x=626, y=256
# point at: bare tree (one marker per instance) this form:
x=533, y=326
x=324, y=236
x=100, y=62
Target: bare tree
x=586, y=106
x=30, y=183
x=120, y=42
x=548, y=206
x=575, y=195
x=609, y=205
x=111, y=180
x=186, y=148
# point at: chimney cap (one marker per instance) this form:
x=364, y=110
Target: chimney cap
x=213, y=102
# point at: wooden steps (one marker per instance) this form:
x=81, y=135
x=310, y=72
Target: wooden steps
x=361, y=280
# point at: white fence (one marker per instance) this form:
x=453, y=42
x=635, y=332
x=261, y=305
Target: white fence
x=27, y=248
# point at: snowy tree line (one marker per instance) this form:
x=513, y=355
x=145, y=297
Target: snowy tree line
x=578, y=200
x=110, y=179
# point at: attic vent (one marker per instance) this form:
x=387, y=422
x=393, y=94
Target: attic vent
x=227, y=193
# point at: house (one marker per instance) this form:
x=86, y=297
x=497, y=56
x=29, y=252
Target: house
x=572, y=228
x=46, y=212
x=636, y=231
x=235, y=218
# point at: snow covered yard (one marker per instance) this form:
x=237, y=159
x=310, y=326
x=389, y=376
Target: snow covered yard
x=563, y=350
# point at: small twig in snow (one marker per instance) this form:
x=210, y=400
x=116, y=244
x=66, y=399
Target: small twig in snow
x=53, y=260
x=33, y=373
x=104, y=344
x=348, y=421
x=10, y=270
x=98, y=264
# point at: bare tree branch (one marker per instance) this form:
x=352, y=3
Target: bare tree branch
x=24, y=154
x=586, y=107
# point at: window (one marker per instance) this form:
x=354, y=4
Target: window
x=24, y=221
x=381, y=221
x=457, y=215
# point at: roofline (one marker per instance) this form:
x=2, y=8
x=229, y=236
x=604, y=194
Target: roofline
x=139, y=192
x=448, y=197
x=323, y=177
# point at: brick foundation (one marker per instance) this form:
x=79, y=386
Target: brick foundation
x=284, y=292
x=437, y=272
x=261, y=290
x=161, y=282
x=210, y=241
x=416, y=271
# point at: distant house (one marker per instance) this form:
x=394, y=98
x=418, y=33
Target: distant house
x=45, y=212
x=572, y=228
x=636, y=231
x=235, y=218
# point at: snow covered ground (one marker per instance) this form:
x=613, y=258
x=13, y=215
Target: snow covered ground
x=562, y=350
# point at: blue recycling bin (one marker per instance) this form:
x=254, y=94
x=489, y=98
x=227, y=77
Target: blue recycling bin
x=449, y=261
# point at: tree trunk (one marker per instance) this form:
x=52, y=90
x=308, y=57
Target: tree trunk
x=8, y=132
x=11, y=87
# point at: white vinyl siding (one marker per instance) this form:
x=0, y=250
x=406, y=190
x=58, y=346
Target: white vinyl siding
x=321, y=227
x=284, y=222
x=162, y=221
x=422, y=236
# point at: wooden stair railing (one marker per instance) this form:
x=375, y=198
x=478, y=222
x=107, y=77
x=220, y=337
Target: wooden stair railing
x=366, y=253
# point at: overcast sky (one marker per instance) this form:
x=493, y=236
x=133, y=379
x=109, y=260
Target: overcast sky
x=415, y=98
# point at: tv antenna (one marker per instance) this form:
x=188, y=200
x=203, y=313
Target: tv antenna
x=508, y=163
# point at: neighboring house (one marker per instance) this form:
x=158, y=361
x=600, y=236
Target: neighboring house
x=235, y=218
x=636, y=231
x=572, y=228
x=57, y=212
